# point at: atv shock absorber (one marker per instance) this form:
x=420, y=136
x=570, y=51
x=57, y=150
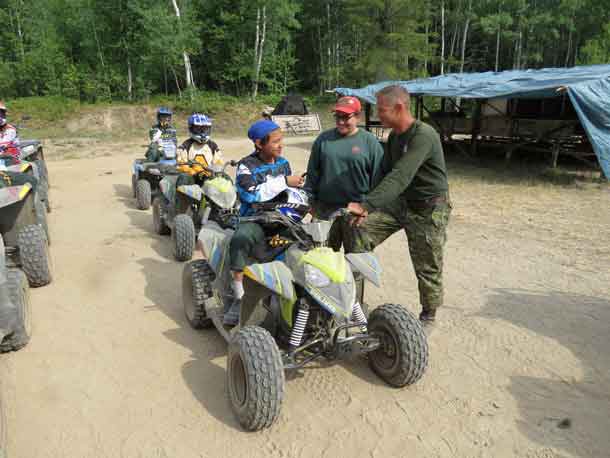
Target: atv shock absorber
x=296, y=336
x=358, y=316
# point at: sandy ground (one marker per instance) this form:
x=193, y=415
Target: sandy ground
x=519, y=362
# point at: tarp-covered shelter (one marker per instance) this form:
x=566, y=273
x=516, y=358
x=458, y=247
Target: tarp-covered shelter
x=588, y=88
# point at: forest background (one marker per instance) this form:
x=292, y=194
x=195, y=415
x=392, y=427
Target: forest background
x=214, y=52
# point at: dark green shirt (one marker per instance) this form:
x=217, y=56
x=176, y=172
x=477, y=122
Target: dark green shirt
x=343, y=169
x=414, y=168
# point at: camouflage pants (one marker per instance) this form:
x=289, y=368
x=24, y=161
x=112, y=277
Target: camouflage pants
x=426, y=230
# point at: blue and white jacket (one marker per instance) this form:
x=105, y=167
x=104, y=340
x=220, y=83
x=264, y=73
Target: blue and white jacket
x=259, y=181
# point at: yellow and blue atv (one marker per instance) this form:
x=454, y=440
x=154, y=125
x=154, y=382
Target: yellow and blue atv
x=23, y=227
x=146, y=174
x=182, y=208
x=300, y=305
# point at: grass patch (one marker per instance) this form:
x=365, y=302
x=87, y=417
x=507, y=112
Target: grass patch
x=42, y=111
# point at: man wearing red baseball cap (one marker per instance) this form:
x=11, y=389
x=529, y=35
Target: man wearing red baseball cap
x=344, y=166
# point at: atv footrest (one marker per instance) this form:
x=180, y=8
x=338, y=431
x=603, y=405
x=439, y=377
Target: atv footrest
x=216, y=314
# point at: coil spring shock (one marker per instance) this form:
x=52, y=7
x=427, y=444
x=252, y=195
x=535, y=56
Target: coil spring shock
x=296, y=335
x=359, y=317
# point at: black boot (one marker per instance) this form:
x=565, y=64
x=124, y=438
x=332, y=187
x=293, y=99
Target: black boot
x=427, y=317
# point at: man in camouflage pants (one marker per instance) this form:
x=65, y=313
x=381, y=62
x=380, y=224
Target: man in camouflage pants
x=413, y=195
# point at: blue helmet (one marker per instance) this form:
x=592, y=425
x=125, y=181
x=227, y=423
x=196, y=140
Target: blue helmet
x=296, y=205
x=200, y=127
x=165, y=112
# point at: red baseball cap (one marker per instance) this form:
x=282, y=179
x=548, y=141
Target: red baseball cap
x=348, y=105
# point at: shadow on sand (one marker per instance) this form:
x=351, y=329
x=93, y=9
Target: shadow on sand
x=204, y=374
x=567, y=414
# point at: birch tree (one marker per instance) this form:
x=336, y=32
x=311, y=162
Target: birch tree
x=190, y=81
x=259, y=46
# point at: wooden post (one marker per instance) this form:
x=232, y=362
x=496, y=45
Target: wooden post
x=555, y=155
x=476, y=126
x=418, y=108
x=367, y=116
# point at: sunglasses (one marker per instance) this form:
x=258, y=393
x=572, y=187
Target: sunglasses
x=343, y=117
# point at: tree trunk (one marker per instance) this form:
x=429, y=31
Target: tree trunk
x=497, y=49
x=177, y=82
x=442, y=37
x=427, y=31
x=519, y=49
x=454, y=39
x=328, y=47
x=129, y=80
x=322, y=70
x=465, y=37
x=259, y=53
x=257, y=37
x=190, y=81
x=569, y=51
x=19, y=31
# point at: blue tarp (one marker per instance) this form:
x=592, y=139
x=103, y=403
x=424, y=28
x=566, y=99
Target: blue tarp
x=588, y=88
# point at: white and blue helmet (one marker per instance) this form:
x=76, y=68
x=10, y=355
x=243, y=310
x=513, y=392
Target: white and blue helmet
x=200, y=127
x=296, y=204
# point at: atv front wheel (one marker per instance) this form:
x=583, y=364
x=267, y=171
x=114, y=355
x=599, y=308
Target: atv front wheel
x=143, y=194
x=403, y=355
x=183, y=237
x=19, y=292
x=255, y=378
x=197, y=278
x=34, y=255
x=158, y=210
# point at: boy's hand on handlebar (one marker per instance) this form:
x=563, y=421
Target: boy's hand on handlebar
x=295, y=181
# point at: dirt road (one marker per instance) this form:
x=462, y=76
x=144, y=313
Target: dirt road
x=519, y=362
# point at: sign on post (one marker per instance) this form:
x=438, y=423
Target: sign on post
x=298, y=124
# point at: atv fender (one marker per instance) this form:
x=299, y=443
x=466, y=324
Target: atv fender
x=191, y=190
x=23, y=167
x=275, y=276
x=13, y=194
x=367, y=264
x=214, y=241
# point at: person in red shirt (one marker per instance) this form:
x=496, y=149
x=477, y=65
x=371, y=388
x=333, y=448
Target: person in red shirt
x=9, y=139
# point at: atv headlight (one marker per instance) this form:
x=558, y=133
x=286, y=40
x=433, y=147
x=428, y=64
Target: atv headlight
x=316, y=277
x=154, y=171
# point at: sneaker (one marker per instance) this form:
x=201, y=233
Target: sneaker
x=231, y=316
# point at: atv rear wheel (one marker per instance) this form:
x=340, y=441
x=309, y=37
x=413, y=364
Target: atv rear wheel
x=143, y=194
x=34, y=255
x=255, y=378
x=158, y=210
x=19, y=292
x=183, y=237
x=403, y=355
x=134, y=184
x=197, y=278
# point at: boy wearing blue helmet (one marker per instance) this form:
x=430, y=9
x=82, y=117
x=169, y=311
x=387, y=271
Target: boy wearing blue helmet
x=197, y=152
x=199, y=143
x=262, y=176
x=162, y=132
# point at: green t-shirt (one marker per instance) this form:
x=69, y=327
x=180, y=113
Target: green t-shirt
x=414, y=168
x=343, y=169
